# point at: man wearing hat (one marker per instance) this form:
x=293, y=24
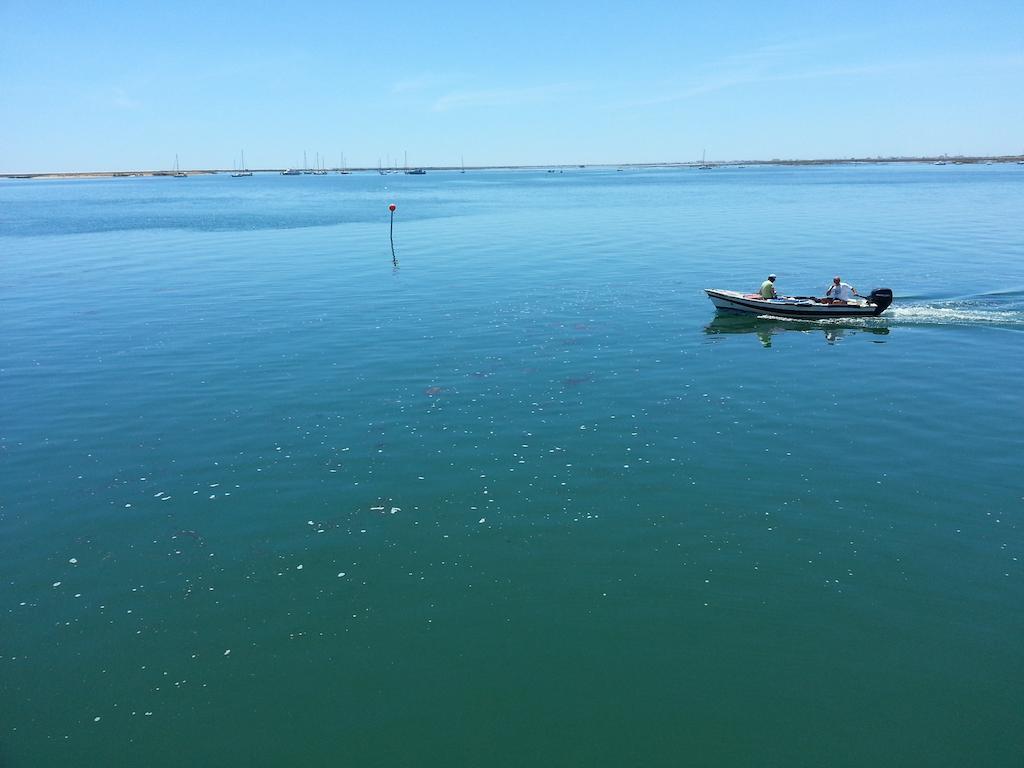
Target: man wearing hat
x=768, y=288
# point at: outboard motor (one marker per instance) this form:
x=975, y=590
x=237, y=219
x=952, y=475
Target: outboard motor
x=881, y=298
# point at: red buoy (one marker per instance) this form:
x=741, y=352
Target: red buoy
x=391, y=207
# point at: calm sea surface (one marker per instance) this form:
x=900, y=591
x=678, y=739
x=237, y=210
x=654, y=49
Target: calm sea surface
x=268, y=498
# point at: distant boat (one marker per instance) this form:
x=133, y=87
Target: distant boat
x=412, y=171
x=242, y=172
x=291, y=172
x=462, y=163
x=704, y=165
x=178, y=173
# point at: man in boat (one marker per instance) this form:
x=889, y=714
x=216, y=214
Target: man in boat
x=839, y=292
x=768, y=288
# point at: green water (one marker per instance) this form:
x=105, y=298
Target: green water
x=517, y=497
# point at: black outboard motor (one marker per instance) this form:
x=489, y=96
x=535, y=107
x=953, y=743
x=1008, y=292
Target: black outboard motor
x=881, y=298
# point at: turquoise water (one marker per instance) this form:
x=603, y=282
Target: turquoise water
x=269, y=497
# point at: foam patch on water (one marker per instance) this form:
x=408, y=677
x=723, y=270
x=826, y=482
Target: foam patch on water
x=954, y=315
x=819, y=322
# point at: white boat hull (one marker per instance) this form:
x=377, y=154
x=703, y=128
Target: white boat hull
x=800, y=307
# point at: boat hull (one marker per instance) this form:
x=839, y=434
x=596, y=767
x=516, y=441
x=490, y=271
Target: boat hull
x=800, y=307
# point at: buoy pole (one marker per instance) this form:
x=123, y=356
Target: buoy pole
x=391, y=232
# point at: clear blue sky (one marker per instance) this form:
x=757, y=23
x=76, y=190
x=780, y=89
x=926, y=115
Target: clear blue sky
x=106, y=86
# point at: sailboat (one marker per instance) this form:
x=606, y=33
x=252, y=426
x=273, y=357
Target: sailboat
x=178, y=173
x=341, y=169
x=462, y=163
x=704, y=163
x=241, y=172
x=412, y=171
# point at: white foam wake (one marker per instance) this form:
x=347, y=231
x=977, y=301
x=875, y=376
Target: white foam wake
x=931, y=315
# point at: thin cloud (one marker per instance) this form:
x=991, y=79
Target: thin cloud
x=769, y=64
x=121, y=100
x=504, y=97
x=731, y=81
x=761, y=65
x=422, y=82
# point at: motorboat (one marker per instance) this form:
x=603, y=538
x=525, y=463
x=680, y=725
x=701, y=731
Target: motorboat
x=800, y=307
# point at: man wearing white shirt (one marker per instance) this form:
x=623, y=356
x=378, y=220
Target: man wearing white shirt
x=839, y=292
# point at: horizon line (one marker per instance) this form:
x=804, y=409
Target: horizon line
x=962, y=159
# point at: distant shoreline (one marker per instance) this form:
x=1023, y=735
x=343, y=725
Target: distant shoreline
x=940, y=160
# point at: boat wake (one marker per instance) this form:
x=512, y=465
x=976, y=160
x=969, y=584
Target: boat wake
x=989, y=310
x=928, y=314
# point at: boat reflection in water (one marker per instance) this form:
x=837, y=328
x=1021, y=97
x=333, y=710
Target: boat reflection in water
x=767, y=327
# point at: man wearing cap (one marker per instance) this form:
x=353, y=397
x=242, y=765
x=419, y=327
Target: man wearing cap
x=768, y=288
x=839, y=292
